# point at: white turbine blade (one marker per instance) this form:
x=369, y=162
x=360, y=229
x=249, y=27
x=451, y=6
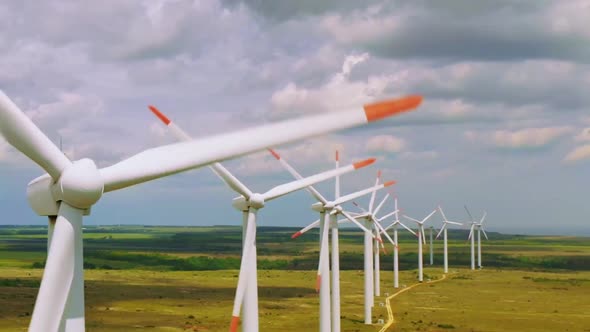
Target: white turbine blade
x=382, y=230
x=471, y=232
x=249, y=241
x=423, y=236
x=292, y=186
x=59, y=272
x=412, y=219
x=305, y=229
x=360, y=207
x=441, y=230
x=358, y=194
x=323, y=252
x=217, y=168
x=372, y=201
x=171, y=159
x=484, y=233
x=21, y=133
x=354, y=221
x=454, y=223
x=380, y=204
x=483, y=217
x=408, y=228
x=395, y=204
x=390, y=225
x=468, y=213
x=428, y=217
x=442, y=213
x=316, y=194
x=388, y=215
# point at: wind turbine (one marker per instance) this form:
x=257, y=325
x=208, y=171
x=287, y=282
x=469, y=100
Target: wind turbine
x=329, y=211
x=249, y=203
x=443, y=230
x=371, y=250
x=395, y=225
x=471, y=237
x=69, y=189
x=421, y=240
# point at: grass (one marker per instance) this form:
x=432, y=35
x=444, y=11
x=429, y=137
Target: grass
x=184, y=278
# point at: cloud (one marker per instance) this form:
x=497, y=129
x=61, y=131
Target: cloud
x=527, y=138
x=385, y=143
x=339, y=92
x=583, y=136
x=577, y=154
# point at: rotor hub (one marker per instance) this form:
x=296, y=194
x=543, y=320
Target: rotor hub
x=80, y=185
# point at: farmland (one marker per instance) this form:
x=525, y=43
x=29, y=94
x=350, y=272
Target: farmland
x=183, y=278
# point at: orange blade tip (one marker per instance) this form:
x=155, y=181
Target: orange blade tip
x=384, y=109
x=388, y=183
x=318, y=282
x=159, y=114
x=296, y=235
x=364, y=163
x=379, y=173
x=274, y=154
x=337, y=156
x=235, y=322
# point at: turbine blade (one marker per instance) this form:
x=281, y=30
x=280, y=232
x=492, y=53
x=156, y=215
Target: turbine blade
x=360, y=207
x=483, y=217
x=468, y=213
x=412, y=219
x=58, y=275
x=305, y=229
x=484, y=233
x=454, y=223
x=442, y=213
x=337, y=180
x=380, y=204
x=292, y=186
x=423, y=236
x=408, y=229
x=470, y=232
x=25, y=136
x=441, y=230
x=323, y=251
x=296, y=175
x=225, y=175
x=382, y=230
x=358, y=194
x=171, y=159
x=249, y=241
x=430, y=215
x=372, y=201
x=388, y=215
x=354, y=221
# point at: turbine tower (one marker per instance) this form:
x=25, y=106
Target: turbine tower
x=70, y=188
x=421, y=240
x=443, y=230
x=471, y=237
x=395, y=225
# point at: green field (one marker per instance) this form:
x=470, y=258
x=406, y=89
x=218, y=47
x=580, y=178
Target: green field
x=184, y=278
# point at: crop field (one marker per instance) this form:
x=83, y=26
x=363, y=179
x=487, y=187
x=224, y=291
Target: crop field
x=184, y=278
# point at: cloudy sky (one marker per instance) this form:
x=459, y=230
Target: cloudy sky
x=505, y=126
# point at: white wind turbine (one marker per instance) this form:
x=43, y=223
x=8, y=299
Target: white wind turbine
x=371, y=250
x=69, y=189
x=471, y=237
x=249, y=203
x=395, y=225
x=329, y=211
x=443, y=230
x=421, y=240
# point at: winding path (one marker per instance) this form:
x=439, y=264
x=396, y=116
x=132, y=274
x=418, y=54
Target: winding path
x=391, y=319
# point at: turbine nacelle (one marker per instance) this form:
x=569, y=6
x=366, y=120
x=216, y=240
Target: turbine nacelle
x=80, y=185
x=241, y=203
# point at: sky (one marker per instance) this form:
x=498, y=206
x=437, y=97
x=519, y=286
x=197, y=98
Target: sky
x=504, y=127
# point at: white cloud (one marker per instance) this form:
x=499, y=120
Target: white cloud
x=361, y=26
x=385, y=143
x=583, y=136
x=579, y=153
x=340, y=92
x=520, y=139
